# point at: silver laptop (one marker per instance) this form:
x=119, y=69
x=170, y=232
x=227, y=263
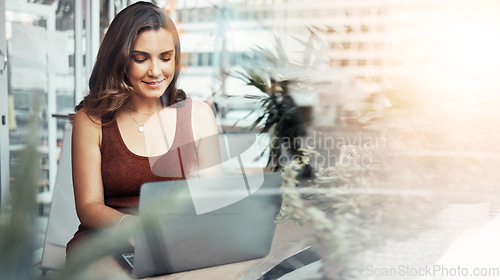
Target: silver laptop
x=204, y=222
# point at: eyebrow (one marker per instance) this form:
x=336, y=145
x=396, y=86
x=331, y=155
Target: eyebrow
x=170, y=52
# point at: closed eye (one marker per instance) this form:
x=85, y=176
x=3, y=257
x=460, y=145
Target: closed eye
x=166, y=56
x=139, y=56
x=139, y=60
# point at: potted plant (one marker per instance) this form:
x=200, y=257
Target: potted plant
x=281, y=118
x=277, y=77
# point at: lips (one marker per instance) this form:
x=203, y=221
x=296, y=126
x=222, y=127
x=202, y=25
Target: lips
x=153, y=83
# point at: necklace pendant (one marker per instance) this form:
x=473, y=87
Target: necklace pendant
x=141, y=129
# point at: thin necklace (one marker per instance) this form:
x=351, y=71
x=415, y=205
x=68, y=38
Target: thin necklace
x=148, y=114
x=141, y=126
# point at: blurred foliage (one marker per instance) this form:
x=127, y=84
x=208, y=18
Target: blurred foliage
x=351, y=210
x=17, y=235
x=275, y=74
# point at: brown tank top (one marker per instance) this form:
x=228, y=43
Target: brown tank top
x=123, y=172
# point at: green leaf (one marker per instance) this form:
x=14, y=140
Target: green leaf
x=256, y=122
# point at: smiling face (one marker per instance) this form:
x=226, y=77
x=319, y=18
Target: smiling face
x=152, y=65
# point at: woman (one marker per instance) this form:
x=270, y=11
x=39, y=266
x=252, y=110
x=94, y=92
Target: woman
x=134, y=126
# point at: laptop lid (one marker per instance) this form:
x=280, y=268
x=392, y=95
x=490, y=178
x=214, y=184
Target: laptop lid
x=191, y=224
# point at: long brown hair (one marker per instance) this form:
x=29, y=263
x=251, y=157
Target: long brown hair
x=109, y=86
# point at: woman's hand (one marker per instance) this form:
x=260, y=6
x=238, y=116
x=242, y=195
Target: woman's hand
x=127, y=218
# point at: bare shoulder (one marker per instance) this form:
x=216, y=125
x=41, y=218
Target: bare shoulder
x=202, y=112
x=82, y=119
x=201, y=108
x=203, y=119
x=86, y=126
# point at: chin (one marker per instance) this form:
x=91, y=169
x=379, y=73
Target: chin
x=153, y=94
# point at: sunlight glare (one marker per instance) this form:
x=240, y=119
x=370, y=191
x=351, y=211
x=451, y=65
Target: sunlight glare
x=462, y=57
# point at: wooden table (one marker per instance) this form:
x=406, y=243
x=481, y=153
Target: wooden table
x=289, y=239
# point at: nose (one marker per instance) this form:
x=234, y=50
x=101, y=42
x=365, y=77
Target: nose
x=154, y=68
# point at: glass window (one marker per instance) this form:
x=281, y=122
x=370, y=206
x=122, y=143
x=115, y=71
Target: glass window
x=193, y=15
x=382, y=11
x=194, y=59
x=44, y=62
x=381, y=28
x=181, y=16
x=200, y=59
x=206, y=14
x=378, y=45
x=47, y=70
x=210, y=59
x=365, y=11
x=186, y=59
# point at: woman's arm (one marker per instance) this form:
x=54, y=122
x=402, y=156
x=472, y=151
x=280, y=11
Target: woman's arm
x=87, y=180
x=206, y=135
